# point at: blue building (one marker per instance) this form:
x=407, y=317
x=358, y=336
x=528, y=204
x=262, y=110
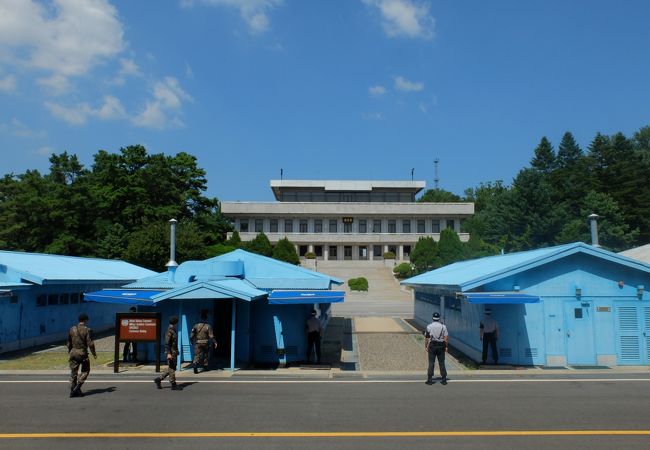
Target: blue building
x=258, y=305
x=572, y=304
x=41, y=295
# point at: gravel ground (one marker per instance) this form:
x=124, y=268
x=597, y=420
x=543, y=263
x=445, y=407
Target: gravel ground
x=388, y=351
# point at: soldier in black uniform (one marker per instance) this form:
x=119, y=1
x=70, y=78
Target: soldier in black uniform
x=201, y=335
x=80, y=339
x=171, y=349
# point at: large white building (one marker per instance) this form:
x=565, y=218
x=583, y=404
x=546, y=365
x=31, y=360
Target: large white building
x=358, y=220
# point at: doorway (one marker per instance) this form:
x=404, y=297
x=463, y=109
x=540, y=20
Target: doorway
x=222, y=320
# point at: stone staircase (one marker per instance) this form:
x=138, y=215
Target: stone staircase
x=385, y=296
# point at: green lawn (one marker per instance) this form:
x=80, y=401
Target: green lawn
x=49, y=360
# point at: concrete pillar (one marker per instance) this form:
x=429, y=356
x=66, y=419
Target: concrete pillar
x=400, y=250
x=326, y=252
x=385, y=248
x=310, y=248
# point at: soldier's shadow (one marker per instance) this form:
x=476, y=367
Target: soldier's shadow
x=186, y=384
x=100, y=391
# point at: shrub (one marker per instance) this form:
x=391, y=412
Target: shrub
x=285, y=251
x=404, y=270
x=358, y=284
x=310, y=255
x=389, y=255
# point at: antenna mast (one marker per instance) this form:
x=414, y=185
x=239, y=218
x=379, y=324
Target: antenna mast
x=435, y=173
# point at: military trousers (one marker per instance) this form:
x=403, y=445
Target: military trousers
x=313, y=341
x=490, y=339
x=201, y=353
x=436, y=352
x=78, y=360
x=170, y=371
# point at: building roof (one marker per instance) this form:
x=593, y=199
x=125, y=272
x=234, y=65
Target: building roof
x=467, y=275
x=240, y=269
x=346, y=185
x=42, y=268
x=641, y=253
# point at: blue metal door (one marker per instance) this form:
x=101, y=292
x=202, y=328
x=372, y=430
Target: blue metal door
x=632, y=334
x=579, y=328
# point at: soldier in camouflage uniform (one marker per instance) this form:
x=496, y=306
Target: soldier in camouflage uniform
x=171, y=349
x=80, y=339
x=201, y=335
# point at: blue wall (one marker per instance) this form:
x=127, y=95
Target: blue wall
x=562, y=328
x=24, y=323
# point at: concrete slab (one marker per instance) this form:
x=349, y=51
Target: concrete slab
x=377, y=325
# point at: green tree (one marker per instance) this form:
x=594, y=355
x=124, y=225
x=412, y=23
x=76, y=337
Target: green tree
x=285, y=251
x=613, y=232
x=149, y=247
x=450, y=249
x=544, y=159
x=235, y=240
x=439, y=196
x=425, y=254
x=260, y=245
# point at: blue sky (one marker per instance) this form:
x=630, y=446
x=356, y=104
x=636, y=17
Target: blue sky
x=336, y=89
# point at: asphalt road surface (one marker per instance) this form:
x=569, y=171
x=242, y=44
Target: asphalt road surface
x=505, y=412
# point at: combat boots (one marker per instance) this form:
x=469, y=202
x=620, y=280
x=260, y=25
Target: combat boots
x=176, y=387
x=157, y=381
x=196, y=367
x=76, y=391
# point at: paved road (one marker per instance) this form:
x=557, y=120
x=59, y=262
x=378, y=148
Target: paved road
x=533, y=413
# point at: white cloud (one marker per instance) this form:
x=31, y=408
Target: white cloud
x=63, y=39
x=372, y=116
x=189, y=73
x=423, y=107
x=17, y=128
x=128, y=68
x=405, y=18
x=111, y=109
x=163, y=111
x=45, y=150
x=8, y=83
x=402, y=84
x=254, y=12
x=377, y=91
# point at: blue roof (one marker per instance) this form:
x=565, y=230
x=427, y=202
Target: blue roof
x=467, y=275
x=268, y=273
x=42, y=268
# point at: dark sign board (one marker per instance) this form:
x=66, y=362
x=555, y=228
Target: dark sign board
x=136, y=327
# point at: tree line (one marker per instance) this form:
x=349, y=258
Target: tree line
x=549, y=201
x=119, y=207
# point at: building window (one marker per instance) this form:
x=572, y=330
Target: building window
x=333, y=251
x=407, y=251
x=318, y=197
x=362, y=226
x=259, y=225
x=376, y=226
x=74, y=298
x=64, y=299
x=347, y=227
x=435, y=226
x=303, y=225
x=450, y=224
x=392, y=197
x=288, y=226
x=318, y=249
x=376, y=251
x=302, y=250
x=243, y=226
x=420, y=226
x=406, y=226
x=303, y=196
x=392, y=226
x=332, y=226
x=347, y=252
x=13, y=299
x=318, y=226
x=53, y=299
x=273, y=223
x=41, y=300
